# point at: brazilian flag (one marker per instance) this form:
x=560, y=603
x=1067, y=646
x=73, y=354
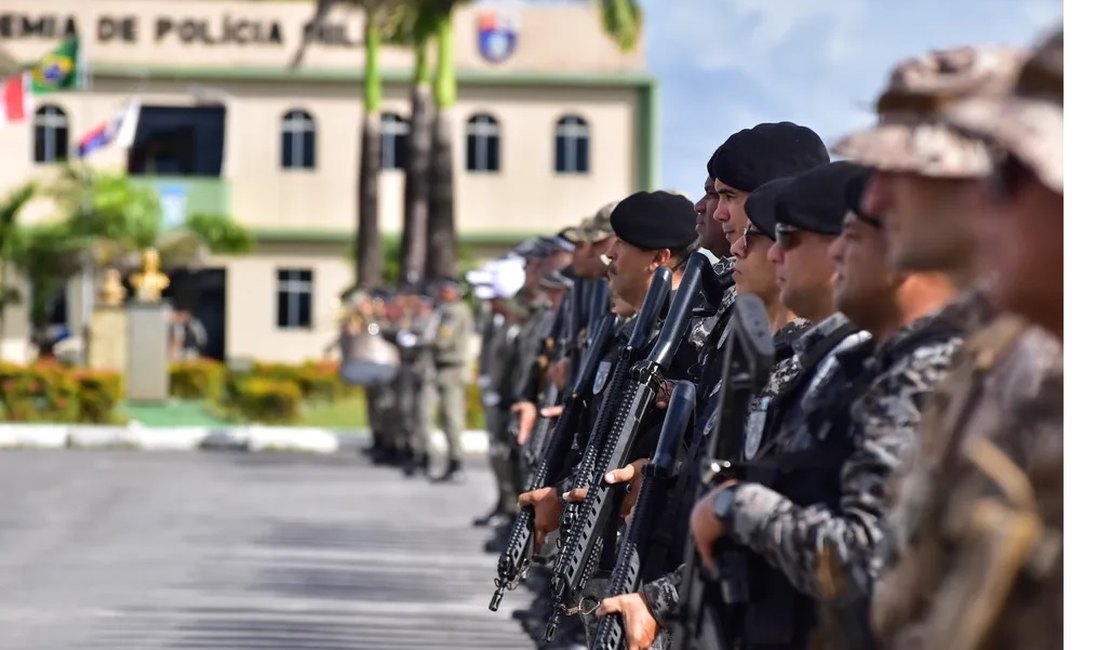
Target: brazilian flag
x=57, y=70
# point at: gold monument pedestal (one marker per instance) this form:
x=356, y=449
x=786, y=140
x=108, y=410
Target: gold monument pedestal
x=132, y=339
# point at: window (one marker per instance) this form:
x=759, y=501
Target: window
x=483, y=144
x=395, y=141
x=294, y=309
x=572, y=146
x=51, y=134
x=298, y=141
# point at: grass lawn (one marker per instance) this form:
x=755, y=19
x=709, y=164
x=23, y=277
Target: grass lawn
x=174, y=413
x=344, y=413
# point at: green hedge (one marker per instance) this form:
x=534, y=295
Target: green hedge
x=260, y=399
x=49, y=392
x=200, y=379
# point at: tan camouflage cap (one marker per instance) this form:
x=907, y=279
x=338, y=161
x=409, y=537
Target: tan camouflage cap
x=1028, y=122
x=910, y=136
x=579, y=233
x=602, y=228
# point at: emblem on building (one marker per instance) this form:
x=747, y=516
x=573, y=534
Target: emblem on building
x=497, y=36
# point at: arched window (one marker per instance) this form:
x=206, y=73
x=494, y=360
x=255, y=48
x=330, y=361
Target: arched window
x=51, y=134
x=572, y=145
x=298, y=140
x=395, y=141
x=483, y=143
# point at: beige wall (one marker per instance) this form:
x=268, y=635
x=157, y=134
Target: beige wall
x=252, y=302
x=524, y=196
x=551, y=38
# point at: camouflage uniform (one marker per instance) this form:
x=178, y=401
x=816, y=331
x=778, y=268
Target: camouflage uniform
x=977, y=558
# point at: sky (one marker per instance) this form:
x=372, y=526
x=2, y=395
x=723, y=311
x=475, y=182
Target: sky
x=724, y=65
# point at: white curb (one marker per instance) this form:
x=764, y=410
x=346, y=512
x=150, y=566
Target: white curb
x=249, y=438
x=40, y=436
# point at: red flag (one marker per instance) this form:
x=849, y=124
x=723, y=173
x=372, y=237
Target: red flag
x=16, y=101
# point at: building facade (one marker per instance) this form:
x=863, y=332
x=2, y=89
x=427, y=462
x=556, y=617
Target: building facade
x=552, y=121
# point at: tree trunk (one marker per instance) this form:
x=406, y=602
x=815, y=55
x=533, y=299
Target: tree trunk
x=369, y=237
x=414, y=239
x=441, y=222
x=369, y=240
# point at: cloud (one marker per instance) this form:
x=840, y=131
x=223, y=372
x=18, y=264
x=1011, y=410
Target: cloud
x=728, y=65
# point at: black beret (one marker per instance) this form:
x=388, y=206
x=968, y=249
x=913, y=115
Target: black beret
x=815, y=201
x=712, y=161
x=765, y=152
x=853, y=197
x=760, y=205
x=654, y=220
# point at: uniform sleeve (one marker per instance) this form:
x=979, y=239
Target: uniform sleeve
x=885, y=421
x=662, y=595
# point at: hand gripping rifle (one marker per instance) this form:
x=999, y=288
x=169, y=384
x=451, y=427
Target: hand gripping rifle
x=581, y=553
x=649, y=505
x=658, y=295
x=749, y=353
x=512, y=566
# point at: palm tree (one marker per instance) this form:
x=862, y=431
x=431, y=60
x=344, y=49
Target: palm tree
x=442, y=236
x=414, y=237
x=621, y=20
x=12, y=241
x=381, y=18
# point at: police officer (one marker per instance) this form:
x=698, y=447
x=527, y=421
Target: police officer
x=763, y=151
x=454, y=328
x=995, y=440
x=506, y=277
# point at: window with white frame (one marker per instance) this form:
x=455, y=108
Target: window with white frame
x=572, y=145
x=395, y=141
x=51, y=126
x=294, y=298
x=483, y=143
x=298, y=140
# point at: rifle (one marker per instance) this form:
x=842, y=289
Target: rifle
x=527, y=389
x=579, y=557
x=566, y=345
x=749, y=353
x=649, y=504
x=658, y=294
x=513, y=564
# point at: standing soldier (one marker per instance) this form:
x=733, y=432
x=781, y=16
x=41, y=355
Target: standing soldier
x=979, y=562
x=454, y=328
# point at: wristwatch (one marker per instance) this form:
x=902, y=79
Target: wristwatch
x=723, y=504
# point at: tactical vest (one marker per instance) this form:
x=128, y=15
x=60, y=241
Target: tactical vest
x=775, y=614
x=772, y=613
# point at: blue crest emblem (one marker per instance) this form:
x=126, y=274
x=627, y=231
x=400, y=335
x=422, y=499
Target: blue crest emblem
x=497, y=35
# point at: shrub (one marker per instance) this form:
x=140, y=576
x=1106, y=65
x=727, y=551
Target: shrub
x=98, y=393
x=260, y=399
x=199, y=379
x=49, y=392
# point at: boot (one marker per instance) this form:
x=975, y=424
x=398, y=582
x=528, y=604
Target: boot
x=417, y=464
x=453, y=467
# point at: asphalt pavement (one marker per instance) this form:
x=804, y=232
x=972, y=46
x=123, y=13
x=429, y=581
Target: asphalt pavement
x=145, y=550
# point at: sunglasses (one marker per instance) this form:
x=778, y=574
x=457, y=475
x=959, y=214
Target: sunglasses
x=745, y=238
x=785, y=237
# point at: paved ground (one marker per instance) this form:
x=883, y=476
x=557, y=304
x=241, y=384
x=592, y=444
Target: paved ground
x=121, y=550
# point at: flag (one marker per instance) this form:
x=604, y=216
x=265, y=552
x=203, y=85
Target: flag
x=57, y=70
x=15, y=101
x=120, y=129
